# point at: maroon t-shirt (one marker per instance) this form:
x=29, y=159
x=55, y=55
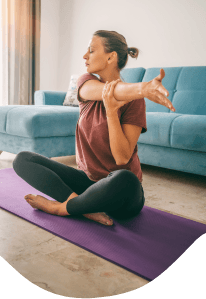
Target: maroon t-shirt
x=93, y=153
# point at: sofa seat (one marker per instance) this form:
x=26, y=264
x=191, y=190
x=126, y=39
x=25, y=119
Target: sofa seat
x=175, y=130
x=38, y=121
x=48, y=130
x=158, y=128
x=189, y=132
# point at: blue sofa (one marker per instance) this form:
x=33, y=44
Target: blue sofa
x=174, y=140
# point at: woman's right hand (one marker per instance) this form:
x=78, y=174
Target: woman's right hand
x=156, y=92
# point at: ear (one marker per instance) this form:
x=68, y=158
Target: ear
x=112, y=57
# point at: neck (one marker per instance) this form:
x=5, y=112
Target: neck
x=108, y=75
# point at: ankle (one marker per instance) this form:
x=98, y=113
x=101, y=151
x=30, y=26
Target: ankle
x=62, y=209
x=72, y=196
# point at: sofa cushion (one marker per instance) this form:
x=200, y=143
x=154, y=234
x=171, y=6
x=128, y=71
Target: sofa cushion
x=38, y=121
x=189, y=132
x=190, y=102
x=47, y=97
x=190, y=95
x=158, y=128
x=186, y=86
x=4, y=110
x=132, y=75
x=71, y=96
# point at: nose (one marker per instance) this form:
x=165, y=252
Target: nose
x=85, y=56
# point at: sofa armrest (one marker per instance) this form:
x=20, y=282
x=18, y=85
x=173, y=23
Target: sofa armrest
x=44, y=97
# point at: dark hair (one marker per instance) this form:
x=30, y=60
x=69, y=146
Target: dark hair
x=114, y=41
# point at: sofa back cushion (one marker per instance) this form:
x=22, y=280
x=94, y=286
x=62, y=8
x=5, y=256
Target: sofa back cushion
x=132, y=75
x=190, y=95
x=186, y=86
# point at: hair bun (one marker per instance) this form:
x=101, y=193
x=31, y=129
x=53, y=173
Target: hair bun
x=133, y=52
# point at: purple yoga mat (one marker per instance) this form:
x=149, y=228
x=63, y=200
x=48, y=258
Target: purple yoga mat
x=145, y=245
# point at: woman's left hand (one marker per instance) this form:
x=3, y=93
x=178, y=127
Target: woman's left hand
x=110, y=103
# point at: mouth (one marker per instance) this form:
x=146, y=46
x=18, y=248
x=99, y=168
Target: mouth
x=86, y=64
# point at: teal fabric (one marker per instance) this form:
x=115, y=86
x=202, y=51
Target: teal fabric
x=192, y=78
x=186, y=86
x=48, y=147
x=132, y=75
x=158, y=128
x=43, y=97
x=45, y=129
x=190, y=102
x=40, y=121
x=4, y=110
x=174, y=140
x=189, y=132
x=172, y=158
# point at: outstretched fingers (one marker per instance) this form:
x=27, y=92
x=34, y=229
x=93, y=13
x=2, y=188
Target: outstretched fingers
x=161, y=88
x=161, y=75
x=164, y=91
x=164, y=101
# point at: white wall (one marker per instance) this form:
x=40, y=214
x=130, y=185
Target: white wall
x=65, y=41
x=167, y=32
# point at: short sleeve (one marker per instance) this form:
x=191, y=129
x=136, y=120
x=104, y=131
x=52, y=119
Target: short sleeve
x=134, y=113
x=81, y=80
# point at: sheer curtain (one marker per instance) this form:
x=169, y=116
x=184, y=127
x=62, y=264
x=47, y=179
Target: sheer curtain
x=20, y=59
x=0, y=53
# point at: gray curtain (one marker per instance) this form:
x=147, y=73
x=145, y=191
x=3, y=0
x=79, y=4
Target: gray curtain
x=20, y=51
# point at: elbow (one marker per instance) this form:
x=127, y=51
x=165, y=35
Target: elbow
x=122, y=162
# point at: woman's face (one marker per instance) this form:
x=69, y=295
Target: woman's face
x=96, y=58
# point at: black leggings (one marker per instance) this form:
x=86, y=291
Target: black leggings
x=120, y=194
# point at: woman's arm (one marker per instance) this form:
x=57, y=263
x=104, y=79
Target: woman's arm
x=119, y=145
x=92, y=90
x=121, y=142
x=152, y=90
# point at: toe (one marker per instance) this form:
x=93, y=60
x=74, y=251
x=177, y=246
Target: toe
x=31, y=196
x=110, y=222
x=108, y=218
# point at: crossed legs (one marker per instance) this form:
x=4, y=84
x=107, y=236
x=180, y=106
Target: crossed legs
x=120, y=193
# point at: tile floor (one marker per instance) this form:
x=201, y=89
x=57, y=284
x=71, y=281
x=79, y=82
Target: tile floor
x=65, y=269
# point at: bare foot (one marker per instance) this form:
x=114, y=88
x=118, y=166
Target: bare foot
x=53, y=207
x=42, y=203
x=100, y=217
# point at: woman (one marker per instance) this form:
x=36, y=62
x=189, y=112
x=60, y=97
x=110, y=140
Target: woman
x=112, y=117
